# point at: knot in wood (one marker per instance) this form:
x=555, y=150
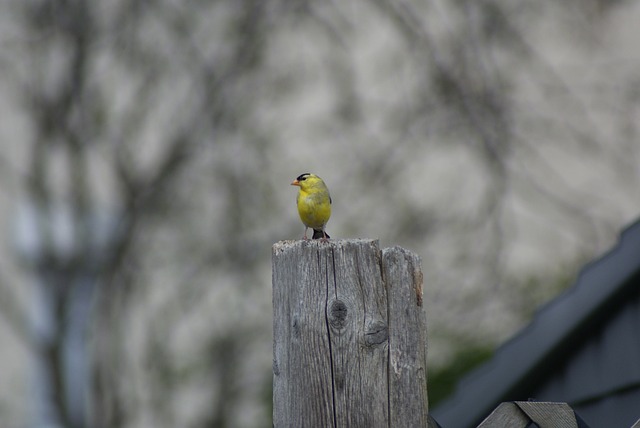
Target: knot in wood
x=295, y=327
x=338, y=314
x=376, y=334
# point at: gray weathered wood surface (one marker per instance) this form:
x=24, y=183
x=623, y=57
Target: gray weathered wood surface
x=522, y=413
x=349, y=335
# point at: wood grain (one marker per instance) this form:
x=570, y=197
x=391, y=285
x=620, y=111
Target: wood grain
x=349, y=335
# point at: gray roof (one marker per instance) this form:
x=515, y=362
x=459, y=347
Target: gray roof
x=559, y=334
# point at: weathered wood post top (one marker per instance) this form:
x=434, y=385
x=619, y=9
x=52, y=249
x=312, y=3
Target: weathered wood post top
x=350, y=341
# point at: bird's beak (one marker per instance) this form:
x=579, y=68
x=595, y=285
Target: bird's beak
x=295, y=183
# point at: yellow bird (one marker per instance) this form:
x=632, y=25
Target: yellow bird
x=314, y=204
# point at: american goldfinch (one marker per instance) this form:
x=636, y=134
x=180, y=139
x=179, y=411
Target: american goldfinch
x=314, y=204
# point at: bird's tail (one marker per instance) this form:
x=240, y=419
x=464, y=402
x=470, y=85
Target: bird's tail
x=317, y=234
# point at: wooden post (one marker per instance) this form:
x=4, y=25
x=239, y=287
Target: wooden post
x=349, y=334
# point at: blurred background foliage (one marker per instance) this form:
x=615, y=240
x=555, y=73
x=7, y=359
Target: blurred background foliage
x=148, y=149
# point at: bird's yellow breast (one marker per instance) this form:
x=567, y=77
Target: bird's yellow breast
x=314, y=209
